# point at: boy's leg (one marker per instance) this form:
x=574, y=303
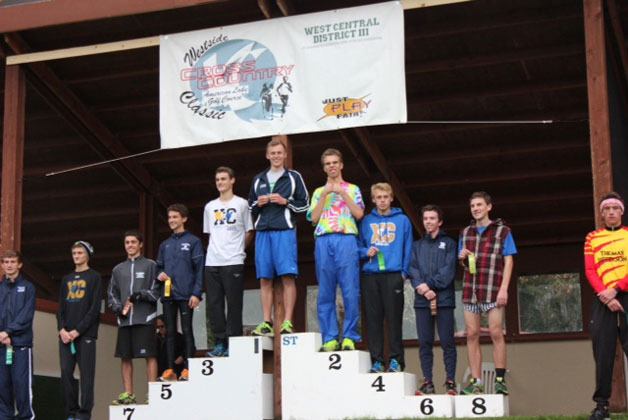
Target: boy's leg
x=151, y=369
x=187, y=315
x=425, y=333
x=232, y=278
x=127, y=375
x=86, y=357
x=472, y=326
x=374, y=316
x=289, y=296
x=264, y=271
x=347, y=264
x=392, y=293
x=23, y=381
x=445, y=323
x=495, y=326
x=215, y=302
x=6, y=387
x=170, y=317
x=67, y=362
x=327, y=282
x=603, y=329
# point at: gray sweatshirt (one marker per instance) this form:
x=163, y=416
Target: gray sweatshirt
x=134, y=276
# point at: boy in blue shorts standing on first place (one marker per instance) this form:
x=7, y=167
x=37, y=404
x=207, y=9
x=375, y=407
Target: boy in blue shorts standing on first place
x=276, y=196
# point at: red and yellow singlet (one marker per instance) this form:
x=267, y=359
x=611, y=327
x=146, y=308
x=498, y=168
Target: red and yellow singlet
x=606, y=259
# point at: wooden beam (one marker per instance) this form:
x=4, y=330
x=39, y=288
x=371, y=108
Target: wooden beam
x=147, y=223
x=109, y=47
x=89, y=126
x=59, y=12
x=398, y=187
x=13, y=158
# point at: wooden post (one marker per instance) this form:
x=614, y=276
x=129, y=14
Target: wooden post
x=600, y=133
x=147, y=223
x=278, y=307
x=12, y=158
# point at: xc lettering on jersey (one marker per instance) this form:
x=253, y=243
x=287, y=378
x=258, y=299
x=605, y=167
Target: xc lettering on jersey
x=383, y=233
x=76, y=290
x=185, y=246
x=225, y=216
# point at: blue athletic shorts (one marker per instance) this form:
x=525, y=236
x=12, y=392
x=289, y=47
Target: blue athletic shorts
x=276, y=253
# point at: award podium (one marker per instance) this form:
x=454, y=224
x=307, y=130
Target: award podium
x=221, y=388
x=337, y=385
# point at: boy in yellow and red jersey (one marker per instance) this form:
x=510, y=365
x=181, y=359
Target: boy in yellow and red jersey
x=606, y=267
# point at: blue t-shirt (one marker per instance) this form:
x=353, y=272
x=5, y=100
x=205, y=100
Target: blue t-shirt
x=509, y=245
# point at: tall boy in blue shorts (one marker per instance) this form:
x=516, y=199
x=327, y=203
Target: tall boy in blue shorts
x=276, y=196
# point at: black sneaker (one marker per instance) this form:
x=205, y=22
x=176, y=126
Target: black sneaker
x=451, y=388
x=427, y=387
x=600, y=413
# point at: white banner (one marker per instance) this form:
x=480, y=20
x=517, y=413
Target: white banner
x=314, y=72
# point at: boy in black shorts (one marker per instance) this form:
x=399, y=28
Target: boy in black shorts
x=133, y=294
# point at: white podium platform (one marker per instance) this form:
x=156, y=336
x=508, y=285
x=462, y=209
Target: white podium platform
x=337, y=385
x=220, y=388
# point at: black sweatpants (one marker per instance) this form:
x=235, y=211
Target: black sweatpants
x=86, y=358
x=605, y=328
x=171, y=308
x=383, y=299
x=225, y=282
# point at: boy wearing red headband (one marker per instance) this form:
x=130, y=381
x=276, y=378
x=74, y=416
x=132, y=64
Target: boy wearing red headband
x=606, y=267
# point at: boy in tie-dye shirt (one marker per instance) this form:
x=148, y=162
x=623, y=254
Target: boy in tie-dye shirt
x=334, y=210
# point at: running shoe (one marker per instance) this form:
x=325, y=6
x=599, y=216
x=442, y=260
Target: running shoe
x=348, y=344
x=378, y=367
x=286, y=327
x=500, y=386
x=451, y=388
x=394, y=366
x=185, y=375
x=264, y=329
x=124, y=399
x=473, y=387
x=331, y=345
x=426, y=388
x=219, y=350
x=168, y=376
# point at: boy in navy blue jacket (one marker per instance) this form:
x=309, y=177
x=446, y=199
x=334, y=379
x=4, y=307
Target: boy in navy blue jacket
x=432, y=272
x=385, y=244
x=17, y=308
x=180, y=265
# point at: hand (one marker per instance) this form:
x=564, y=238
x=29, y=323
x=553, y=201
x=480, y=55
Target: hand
x=502, y=298
x=372, y=251
x=422, y=289
x=262, y=200
x=73, y=335
x=464, y=254
x=3, y=335
x=327, y=189
x=430, y=295
x=193, y=302
x=607, y=295
x=128, y=306
x=64, y=336
x=615, y=306
x=6, y=341
x=135, y=297
x=163, y=276
x=278, y=199
x=336, y=188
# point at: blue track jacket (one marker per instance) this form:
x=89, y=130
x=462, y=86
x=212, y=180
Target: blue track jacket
x=434, y=263
x=273, y=216
x=17, y=308
x=181, y=257
x=392, y=235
